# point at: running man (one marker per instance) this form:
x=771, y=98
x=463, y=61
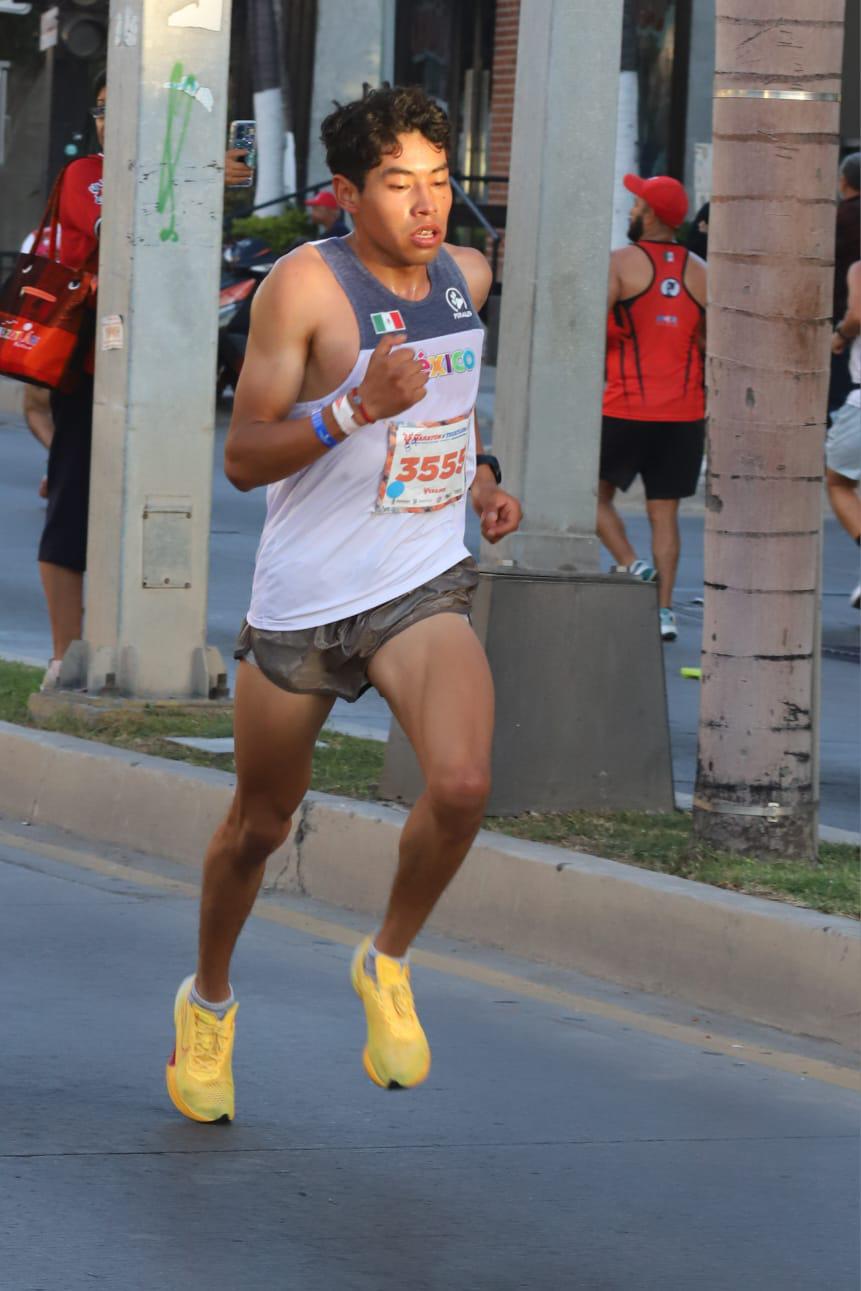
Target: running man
x=654, y=398
x=843, y=441
x=355, y=407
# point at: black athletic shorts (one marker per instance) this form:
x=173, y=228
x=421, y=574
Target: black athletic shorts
x=64, y=538
x=667, y=454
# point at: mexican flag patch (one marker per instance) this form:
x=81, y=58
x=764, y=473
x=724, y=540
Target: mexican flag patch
x=391, y=322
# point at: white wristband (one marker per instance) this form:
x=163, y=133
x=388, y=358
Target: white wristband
x=344, y=416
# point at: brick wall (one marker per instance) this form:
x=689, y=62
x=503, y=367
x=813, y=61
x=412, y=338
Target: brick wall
x=502, y=97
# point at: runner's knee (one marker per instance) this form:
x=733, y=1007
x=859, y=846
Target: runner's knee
x=257, y=833
x=459, y=792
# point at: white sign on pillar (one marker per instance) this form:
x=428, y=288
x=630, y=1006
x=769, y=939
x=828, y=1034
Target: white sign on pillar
x=49, y=28
x=156, y=343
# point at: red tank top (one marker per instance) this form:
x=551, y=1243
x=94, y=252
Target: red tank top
x=654, y=366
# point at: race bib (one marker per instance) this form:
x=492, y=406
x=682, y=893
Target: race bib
x=425, y=466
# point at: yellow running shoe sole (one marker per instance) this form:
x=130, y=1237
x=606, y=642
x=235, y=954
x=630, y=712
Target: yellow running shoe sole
x=391, y=1084
x=367, y=1061
x=170, y=1075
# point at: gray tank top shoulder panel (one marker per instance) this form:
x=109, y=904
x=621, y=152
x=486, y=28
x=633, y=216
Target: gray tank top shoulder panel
x=447, y=307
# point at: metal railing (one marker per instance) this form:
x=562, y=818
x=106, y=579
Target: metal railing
x=290, y=199
x=484, y=223
x=297, y=198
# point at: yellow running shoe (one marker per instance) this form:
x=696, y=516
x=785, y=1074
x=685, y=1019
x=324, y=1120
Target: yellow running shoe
x=397, y=1054
x=199, y=1076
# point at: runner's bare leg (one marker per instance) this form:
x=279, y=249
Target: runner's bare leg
x=845, y=502
x=610, y=526
x=436, y=678
x=275, y=732
x=64, y=596
x=666, y=545
x=37, y=414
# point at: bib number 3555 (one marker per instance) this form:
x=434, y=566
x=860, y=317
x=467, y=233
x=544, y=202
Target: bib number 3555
x=425, y=466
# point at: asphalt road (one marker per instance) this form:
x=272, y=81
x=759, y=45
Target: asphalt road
x=236, y=522
x=558, y=1145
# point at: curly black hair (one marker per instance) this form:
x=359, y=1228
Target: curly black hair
x=357, y=135
x=850, y=169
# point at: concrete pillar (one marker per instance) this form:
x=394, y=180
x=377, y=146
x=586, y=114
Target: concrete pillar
x=701, y=68
x=155, y=349
x=627, y=125
x=626, y=154
x=581, y=719
x=550, y=372
x=347, y=53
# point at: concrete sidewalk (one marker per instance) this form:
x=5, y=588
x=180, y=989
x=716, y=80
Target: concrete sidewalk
x=761, y=960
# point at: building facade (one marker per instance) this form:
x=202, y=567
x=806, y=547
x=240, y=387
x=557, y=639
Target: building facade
x=464, y=53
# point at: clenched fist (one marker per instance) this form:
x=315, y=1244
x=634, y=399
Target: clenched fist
x=393, y=381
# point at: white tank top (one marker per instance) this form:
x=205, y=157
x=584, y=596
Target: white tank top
x=326, y=551
x=854, y=398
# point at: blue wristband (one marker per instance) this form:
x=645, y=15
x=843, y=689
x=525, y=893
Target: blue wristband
x=320, y=430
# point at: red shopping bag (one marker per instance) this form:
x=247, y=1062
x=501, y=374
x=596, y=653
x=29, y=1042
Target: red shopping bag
x=46, y=312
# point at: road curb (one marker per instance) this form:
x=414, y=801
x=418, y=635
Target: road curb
x=761, y=960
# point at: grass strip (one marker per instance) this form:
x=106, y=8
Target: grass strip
x=352, y=767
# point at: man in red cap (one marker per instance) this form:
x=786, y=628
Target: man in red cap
x=654, y=397
x=325, y=211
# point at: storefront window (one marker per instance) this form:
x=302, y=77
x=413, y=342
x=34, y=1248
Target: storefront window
x=663, y=28
x=446, y=47
x=425, y=46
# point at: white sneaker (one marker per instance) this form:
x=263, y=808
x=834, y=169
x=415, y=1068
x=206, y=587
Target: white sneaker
x=668, y=626
x=51, y=679
x=855, y=598
x=637, y=569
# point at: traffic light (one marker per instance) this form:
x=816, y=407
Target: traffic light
x=80, y=53
x=83, y=29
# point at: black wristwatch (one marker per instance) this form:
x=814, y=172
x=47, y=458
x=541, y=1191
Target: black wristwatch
x=487, y=459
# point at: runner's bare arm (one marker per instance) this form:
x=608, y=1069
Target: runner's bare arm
x=475, y=269
x=696, y=278
x=696, y=281
x=848, y=327
x=479, y=280
x=614, y=282
x=262, y=445
x=851, y=324
x=500, y=513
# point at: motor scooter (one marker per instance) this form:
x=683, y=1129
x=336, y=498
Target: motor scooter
x=245, y=263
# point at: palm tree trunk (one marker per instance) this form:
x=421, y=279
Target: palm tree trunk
x=771, y=254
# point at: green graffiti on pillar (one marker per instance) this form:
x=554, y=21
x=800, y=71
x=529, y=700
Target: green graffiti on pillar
x=181, y=93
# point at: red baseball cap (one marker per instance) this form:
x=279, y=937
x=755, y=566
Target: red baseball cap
x=666, y=196
x=326, y=198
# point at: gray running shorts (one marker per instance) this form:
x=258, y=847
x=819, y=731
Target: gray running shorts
x=333, y=659
x=843, y=442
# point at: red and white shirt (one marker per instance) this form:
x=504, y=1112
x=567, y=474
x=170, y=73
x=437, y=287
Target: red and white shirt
x=81, y=210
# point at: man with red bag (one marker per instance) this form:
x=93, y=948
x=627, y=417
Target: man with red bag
x=63, y=546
